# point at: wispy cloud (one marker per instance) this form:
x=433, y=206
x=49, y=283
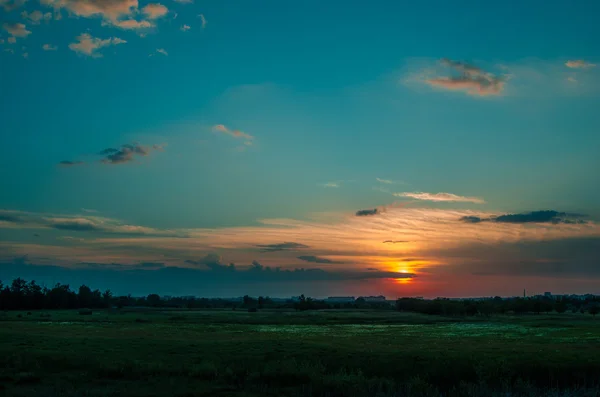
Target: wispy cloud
x=389, y=181
x=203, y=20
x=470, y=79
x=133, y=24
x=162, y=51
x=49, y=47
x=395, y=241
x=331, y=184
x=88, y=45
x=185, y=28
x=579, y=64
x=184, y=1
x=16, y=30
x=110, y=10
x=440, y=197
x=234, y=133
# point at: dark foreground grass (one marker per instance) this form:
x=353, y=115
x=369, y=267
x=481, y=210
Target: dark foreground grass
x=224, y=353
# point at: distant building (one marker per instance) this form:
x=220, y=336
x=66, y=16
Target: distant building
x=379, y=298
x=340, y=299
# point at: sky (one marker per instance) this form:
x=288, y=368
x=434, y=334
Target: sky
x=223, y=148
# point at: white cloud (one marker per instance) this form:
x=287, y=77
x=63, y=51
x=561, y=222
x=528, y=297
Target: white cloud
x=203, y=19
x=579, y=64
x=111, y=10
x=16, y=30
x=162, y=51
x=440, y=197
x=185, y=28
x=331, y=184
x=36, y=16
x=49, y=47
x=9, y=5
x=88, y=45
x=155, y=10
x=25, y=55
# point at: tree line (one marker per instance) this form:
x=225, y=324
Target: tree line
x=23, y=295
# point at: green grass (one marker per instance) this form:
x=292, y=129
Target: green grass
x=276, y=353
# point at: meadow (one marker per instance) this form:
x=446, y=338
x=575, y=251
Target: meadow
x=354, y=353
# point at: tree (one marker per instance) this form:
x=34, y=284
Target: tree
x=594, y=309
x=153, y=300
x=560, y=306
x=84, y=297
x=107, y=298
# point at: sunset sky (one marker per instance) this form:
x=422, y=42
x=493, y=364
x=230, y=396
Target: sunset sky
x=321, y=147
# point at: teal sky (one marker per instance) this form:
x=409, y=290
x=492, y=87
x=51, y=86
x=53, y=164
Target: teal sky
x=245, y=118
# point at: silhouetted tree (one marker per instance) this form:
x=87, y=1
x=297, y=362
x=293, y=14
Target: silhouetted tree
x=594, y=309
x=153, y=300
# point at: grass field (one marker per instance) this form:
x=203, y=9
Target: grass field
x=275, y=353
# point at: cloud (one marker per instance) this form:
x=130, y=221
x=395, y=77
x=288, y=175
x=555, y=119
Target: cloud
x=110, y=10
x=185, y=28
x=49, y=47
x=368, y=212
x=386, y=181
x=127, y=153
x=16, y=30
x=9, y=5
x=440, y=197
x=395, y=241
x=213, y=262
x=472, y=80
x=184, y=1
x=234, y=133
x=331, y=184
x=155, y=10
x=25, y=55
x=315, y=259
x=88, y=45
x=9, y=216
x=544, y=216
x=579, y=64
x=162, y=51
x=36, y=16
x=11, y=40
x=77, y=225
x=203, y=20
x=281, y=247
x=68, y=163
x=91, y=211
x=132, y=24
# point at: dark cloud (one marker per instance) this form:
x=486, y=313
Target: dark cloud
x=545, y=216
x=368, y=212
x=145, y=278
x=373, y=269
x=287, y=246
x=316, y=259
x=126, y=153
x=396, y=241
x=67, y=163
x=471, y=219
x=10, y=217
x=213, y=262
x=558, y=258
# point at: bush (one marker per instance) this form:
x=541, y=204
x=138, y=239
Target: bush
x=85, y=312
x=252, y=310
